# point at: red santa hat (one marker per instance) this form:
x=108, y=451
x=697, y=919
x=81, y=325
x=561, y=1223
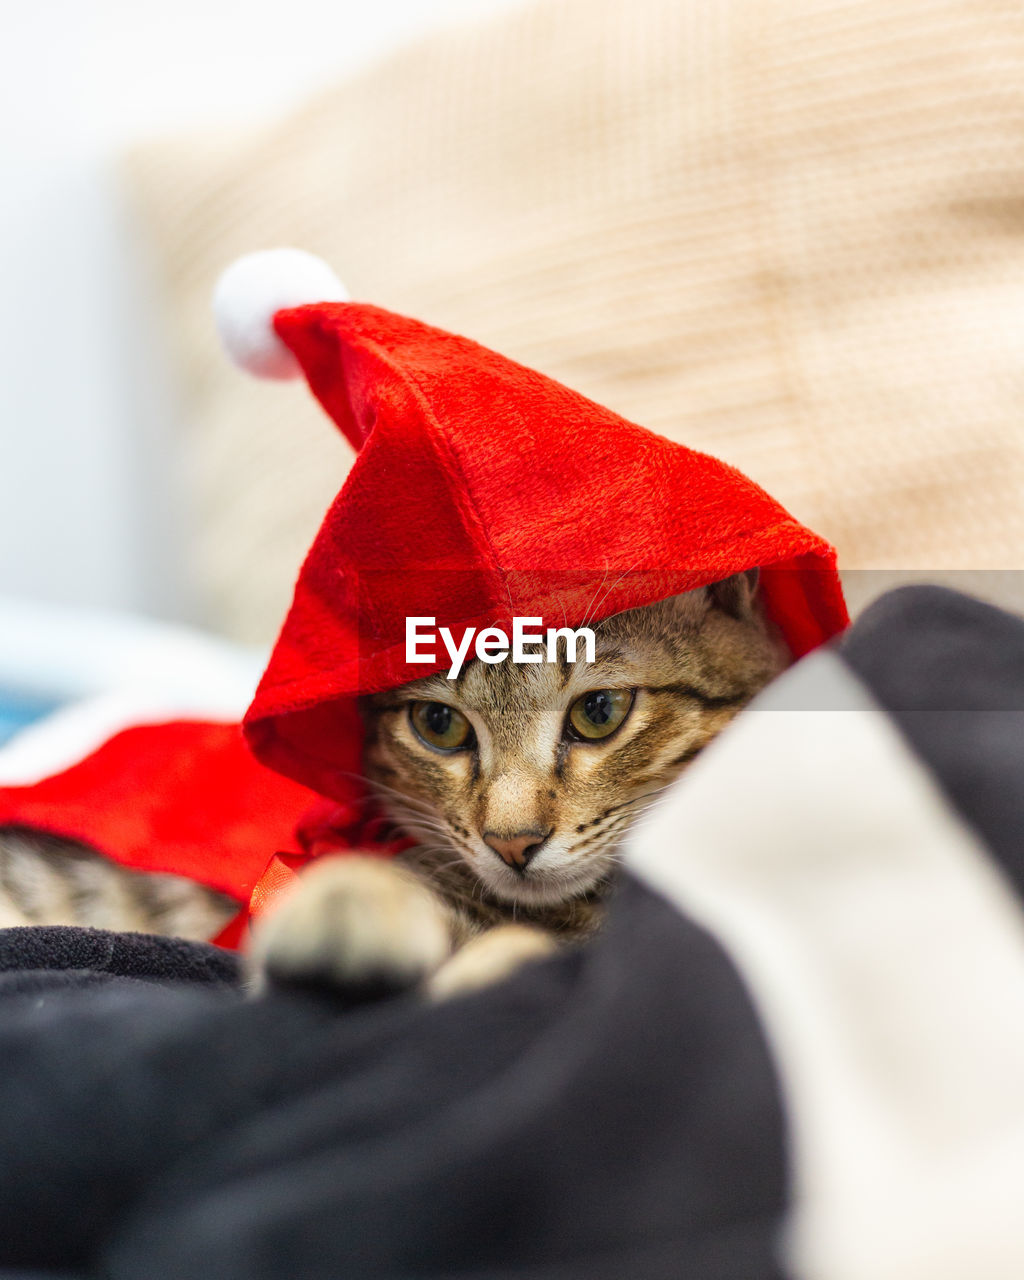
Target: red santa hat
x=483, y=491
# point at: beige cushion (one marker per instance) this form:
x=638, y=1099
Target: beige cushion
x=789, y=234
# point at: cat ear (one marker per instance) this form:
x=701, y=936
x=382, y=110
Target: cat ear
x=735, y=595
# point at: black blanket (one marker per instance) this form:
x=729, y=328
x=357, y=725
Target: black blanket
x=614, y=1112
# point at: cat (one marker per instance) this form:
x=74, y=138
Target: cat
x=48, y=880
x=517, y=783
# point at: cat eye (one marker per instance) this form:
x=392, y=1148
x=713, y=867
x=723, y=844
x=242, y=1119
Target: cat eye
x=439, y=725
x=599, y=713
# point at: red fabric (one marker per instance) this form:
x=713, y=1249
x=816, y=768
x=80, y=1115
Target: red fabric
x=188, y=798
x=482, y=491
x=185, y=797
x=326, y=827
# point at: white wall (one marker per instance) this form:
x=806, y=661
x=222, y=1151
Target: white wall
x=90, y=507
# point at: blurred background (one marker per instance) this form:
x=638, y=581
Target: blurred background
x=787, y=232
x=95, y=417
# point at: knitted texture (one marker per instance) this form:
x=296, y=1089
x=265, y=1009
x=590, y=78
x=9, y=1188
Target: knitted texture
x=786, y=234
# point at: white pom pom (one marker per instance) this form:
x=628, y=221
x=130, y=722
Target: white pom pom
x=256, y=286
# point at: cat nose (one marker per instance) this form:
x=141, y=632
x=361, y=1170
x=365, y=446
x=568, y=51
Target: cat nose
x=518, y=848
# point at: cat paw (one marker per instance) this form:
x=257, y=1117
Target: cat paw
x=488, y=958
x=357, y=924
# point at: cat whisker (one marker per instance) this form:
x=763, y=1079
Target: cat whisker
x=421, y=824
x=432, y=820
x=404, y=797
x=381, y=790
x=596, y=608
x=605, y=833
x=597, y=591
x=441, y=867
x=589, y=613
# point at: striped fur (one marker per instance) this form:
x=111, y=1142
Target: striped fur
x=45, y=880
x=692, y=662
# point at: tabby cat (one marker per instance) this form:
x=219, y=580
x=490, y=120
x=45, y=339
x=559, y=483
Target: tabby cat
x=517, y=782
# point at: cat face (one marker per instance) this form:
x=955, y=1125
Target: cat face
x=527, y=775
